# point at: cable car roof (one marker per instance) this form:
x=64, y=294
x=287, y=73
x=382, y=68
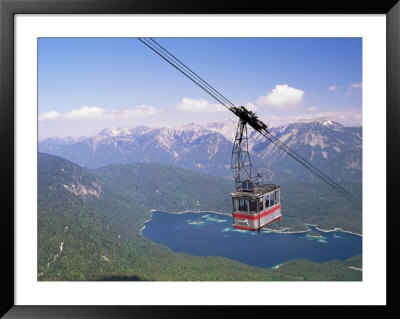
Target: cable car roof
x=257, y=191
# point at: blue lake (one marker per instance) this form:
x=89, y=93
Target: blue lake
x=211, y=234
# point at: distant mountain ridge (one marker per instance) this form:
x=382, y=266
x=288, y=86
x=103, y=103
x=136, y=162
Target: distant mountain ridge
x=207, y=149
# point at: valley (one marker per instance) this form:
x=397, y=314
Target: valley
x=96, y=215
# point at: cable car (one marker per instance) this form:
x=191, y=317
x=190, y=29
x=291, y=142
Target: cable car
x=255, y=205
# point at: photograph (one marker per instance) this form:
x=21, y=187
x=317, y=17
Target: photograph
x=168, y=159
x=199, y=159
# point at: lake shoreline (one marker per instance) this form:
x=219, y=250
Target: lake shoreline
x=284, y=231
x=144, y=226
x=333, y=230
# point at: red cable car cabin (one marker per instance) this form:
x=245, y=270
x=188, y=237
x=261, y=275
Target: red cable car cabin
x=254, y=207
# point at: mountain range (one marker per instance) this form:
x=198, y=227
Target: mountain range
x=333, y=148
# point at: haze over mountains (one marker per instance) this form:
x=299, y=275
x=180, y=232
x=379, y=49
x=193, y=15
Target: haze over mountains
x=330, y=146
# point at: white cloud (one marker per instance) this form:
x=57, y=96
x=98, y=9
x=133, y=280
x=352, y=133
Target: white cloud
x=353, y=86
x=201, y=105
x=333, y=87
x=136, y=111
x=96, y=113
x=356, y=85
x=313, y=109
x=85, y=112
x=282, y=97
x=250, y=106
x=49, y=116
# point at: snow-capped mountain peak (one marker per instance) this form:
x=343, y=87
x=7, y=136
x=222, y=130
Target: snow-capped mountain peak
x=124, y=131
x=226, y=128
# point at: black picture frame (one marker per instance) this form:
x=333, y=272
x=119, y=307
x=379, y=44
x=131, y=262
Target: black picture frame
x=8, y=8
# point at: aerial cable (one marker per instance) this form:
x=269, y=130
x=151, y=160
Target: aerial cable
x=305, y=163
x=289, y=150
x=214, y=92
x=311, y=167
x=175, y=62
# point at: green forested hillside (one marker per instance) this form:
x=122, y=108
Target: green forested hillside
x=167, y=188
x=89, y=227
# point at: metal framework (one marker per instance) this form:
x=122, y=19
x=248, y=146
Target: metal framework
x=241, y=165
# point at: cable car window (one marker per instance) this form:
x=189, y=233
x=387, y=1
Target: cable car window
x=235, y=203
x=243, y=206
x=247, y=185
x=253, y=206
x=260, y=204
x=266, y=201
x=277, y=196
x=272, y=199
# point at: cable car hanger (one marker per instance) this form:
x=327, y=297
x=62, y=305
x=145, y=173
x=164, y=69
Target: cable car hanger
x=245, y=116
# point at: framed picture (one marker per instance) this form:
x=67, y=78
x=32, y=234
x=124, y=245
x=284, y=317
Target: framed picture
x=357, y=43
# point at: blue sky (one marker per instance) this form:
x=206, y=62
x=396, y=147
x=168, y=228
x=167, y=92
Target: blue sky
x=86, y=84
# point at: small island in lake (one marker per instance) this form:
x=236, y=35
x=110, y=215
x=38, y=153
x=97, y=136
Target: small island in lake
x=314, y=234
